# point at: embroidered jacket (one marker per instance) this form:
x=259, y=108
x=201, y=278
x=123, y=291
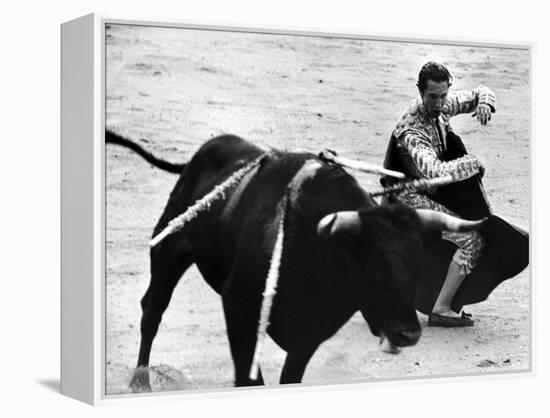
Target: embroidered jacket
x=420, y=145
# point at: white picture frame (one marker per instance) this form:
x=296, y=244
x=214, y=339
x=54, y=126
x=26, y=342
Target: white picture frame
x=84, y=187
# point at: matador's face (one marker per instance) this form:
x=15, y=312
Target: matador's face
x=434, y=97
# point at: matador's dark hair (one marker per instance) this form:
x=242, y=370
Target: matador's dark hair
x=435, y=72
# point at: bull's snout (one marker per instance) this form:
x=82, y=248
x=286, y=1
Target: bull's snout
x=407, y=338
x=393, y=344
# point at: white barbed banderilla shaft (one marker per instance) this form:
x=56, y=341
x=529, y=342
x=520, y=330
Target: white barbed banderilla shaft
x=269, y=292
x=206, y=201
x=331, y=156
x=423, y=184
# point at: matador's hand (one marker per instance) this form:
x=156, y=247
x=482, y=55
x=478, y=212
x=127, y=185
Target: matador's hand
x=483, y=113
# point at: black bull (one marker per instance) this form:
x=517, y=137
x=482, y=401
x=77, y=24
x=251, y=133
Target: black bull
x=342, y=253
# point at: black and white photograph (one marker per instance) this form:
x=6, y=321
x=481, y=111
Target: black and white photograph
x=294, y=208
x=275, y=209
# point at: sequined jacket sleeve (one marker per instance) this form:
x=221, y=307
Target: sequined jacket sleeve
x=422, y=160
x=466, y=101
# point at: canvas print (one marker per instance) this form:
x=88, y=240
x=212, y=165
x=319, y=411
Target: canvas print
x=293, y=208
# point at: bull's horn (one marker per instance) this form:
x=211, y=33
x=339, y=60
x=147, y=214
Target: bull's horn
x=339, y=221
x=439, y=221
x=325, y=225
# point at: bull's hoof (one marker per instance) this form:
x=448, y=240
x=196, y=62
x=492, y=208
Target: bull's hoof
x=140, y=382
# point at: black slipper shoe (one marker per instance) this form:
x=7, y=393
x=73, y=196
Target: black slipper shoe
x=437, y=320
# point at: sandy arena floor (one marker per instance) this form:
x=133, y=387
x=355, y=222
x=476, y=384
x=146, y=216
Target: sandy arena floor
x=172, y=89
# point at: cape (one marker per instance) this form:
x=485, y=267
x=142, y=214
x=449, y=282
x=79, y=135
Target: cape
x=505, y=255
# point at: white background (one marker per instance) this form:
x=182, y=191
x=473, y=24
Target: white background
x=30, y=302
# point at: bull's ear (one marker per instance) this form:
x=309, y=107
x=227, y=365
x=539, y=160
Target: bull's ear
x=342, y=227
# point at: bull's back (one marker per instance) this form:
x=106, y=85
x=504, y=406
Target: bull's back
x=234, y=239
x=210, y=165
x=216, y=160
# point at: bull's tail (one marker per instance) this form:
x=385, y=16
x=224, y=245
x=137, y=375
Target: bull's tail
x=112, y=138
